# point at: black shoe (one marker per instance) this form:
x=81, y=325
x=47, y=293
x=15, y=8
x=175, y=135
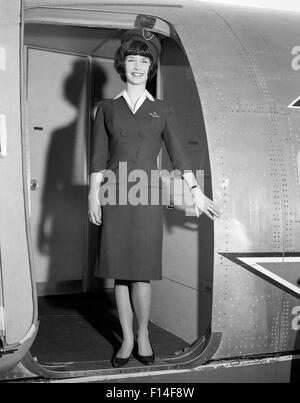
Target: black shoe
x=119, y=362
x=145, y=359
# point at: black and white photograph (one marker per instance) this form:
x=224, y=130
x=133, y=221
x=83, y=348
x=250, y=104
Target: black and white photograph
x=149, y=194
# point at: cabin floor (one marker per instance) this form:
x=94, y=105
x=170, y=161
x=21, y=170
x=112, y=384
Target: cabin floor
x=84, y=328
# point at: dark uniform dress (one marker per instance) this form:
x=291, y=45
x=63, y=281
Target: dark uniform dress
x=131, y=235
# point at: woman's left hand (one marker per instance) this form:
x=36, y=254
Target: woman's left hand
x=204, y=204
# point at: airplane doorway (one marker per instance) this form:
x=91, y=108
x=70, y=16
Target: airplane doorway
x=67, y=73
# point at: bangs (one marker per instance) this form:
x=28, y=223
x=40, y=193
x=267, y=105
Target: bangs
x=137, y=48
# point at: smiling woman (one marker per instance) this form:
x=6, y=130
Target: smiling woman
x=127, y=253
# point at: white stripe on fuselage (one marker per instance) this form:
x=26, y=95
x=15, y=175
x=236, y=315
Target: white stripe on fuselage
x=252, y=261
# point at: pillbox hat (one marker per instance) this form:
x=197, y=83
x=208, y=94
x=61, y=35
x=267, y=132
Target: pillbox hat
x=145, y=36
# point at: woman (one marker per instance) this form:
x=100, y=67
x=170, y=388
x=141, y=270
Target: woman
x=130, y=128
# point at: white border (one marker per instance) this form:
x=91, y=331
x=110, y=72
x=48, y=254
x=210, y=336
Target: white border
x=294, y=107
x=251, y=261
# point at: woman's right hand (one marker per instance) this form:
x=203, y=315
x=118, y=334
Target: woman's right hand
x=95, y=213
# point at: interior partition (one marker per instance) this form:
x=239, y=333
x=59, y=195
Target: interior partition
x=58, y=129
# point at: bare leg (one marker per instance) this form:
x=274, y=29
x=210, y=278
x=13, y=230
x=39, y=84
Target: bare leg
x=126, y=318
x=141, y=299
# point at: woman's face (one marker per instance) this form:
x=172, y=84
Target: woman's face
x=137, y=68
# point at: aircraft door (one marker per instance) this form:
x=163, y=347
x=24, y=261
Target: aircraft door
x=17, y=315
x=58, y=127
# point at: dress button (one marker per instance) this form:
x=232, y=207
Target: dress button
x=123, y=134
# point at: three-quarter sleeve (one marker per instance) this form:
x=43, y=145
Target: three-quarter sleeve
x=175, y=143
x=99, y=142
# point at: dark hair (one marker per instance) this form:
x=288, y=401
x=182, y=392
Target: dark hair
x=135, y=47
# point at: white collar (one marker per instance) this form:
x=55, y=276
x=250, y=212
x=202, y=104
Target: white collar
x=146, y=93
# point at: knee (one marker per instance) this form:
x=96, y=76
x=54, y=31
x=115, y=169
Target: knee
x=141, y=286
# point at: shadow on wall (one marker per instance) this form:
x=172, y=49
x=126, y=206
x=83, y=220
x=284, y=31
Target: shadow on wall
x=62, y=225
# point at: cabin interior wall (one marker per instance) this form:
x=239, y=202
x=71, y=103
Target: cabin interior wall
x=57, y=120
